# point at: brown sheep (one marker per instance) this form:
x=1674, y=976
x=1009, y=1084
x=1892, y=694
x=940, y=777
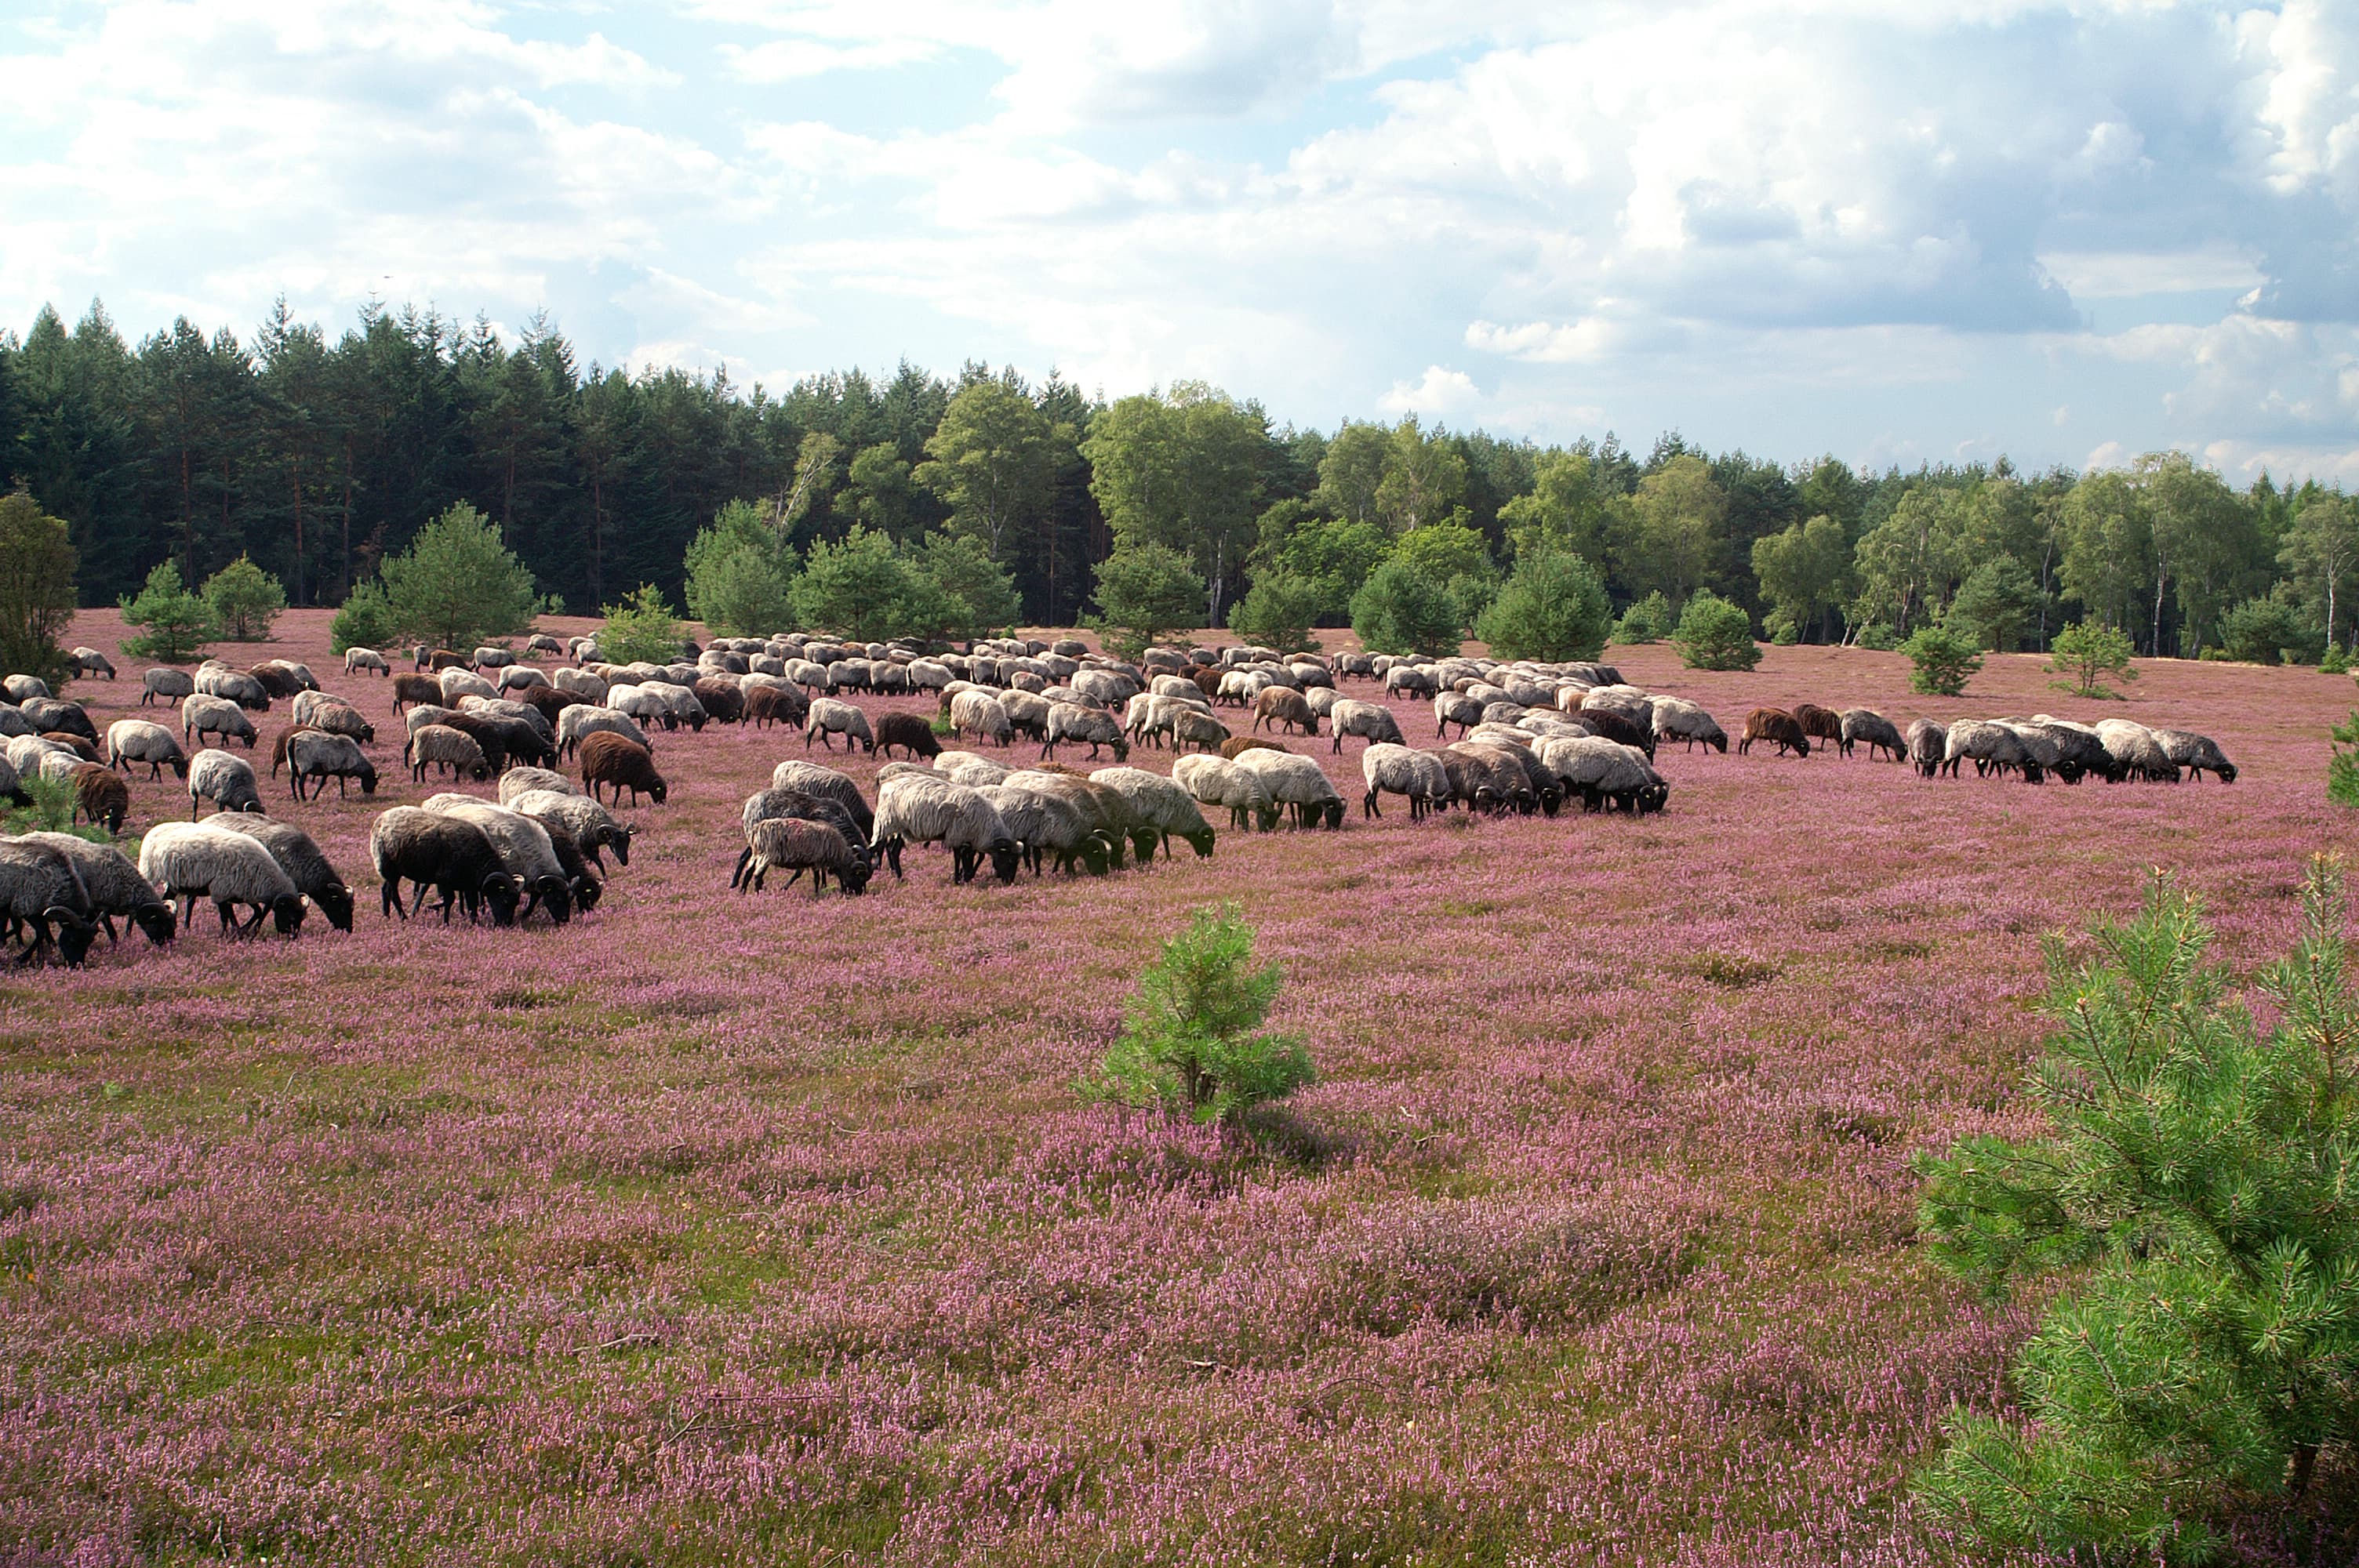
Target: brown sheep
x=100, y=796
x=408, y=690
x=909, y=733
x=279, y=747
x=722, y=702
x=1819, y=723
x=441, y=659
x=1208, y=681
x=74, y=743
x=1281, y=706
x=276, y=679
x=768, y=705
x=1777, y=727
x=1605, y=723
x=1238, y=744
x=549, y=700
x=615, y=761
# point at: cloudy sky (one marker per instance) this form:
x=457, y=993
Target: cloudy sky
x=1896, y=229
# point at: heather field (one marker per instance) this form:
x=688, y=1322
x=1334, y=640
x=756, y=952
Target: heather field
x=721, y=1228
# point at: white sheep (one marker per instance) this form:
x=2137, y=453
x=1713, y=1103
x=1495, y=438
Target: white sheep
x=1676, y=719
x=317, y=756
x=1297, y=782
x=226, y=780
x=830, y=716
x=357, y=658
x=919, y=809
x=440, y=746
x=136, y=741
x=2135, y=752
x=1214, y=780
x=981, y=715
x=972, y=770
x=1050, y=827
x=188, y=860
x=1083, y=726
x=457, y=683
x=523, y=851
x=1161, y=805
x=1390, y=768
x=1371, y=721
x=524, y=781
x=202, y=714
x=161, y=684
x=589, y=824
x=579, y=722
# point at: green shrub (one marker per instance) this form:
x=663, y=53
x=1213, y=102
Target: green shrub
x=1191, y=1040
x=365, y=622
x=179, y=624
x=1877, y=638
x=37, y=590
x=738, y=573
x=1401, y=610
x=244, y=600
x=1552, y=607
x=1715, y=634
x=1780, y=627
x=2334, y=662
x=457, y=586
x=2266, y=631
x=642, y=629
x=2196, y=1186
x=1145, y=591
x=1648, y=621
x=1945, y=660
x=49, y=808
x=1279, y=611
x=2342, y=763
x=2086, y=653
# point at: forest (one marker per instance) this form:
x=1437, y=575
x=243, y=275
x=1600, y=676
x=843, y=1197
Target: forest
x=319, y=457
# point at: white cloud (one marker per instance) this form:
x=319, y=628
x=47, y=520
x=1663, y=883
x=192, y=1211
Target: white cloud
x=1439, y=392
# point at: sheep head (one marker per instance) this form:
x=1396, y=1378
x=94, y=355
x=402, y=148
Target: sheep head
x=287, y=913
x=336, y=904
x=157, y=921
x=74, y=934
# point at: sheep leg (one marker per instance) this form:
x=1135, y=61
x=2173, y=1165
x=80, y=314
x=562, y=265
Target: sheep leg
x=737, y=875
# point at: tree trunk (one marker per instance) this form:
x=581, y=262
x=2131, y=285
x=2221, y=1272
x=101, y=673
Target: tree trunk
x=299, y=531
x=597, y=536
x=2154, y=643
x=344, y=573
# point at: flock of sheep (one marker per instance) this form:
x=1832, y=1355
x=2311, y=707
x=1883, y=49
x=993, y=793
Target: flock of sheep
x=1530, y=738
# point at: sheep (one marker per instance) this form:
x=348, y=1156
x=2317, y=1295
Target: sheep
x=1455, y=707
x=226, y=780
x=925, y=810
x=201, y=715
x=457, y=682
x=491, y=658
x=614, y=762
x=768, y=704
x=1410, y=680
x=1216, y=780
x=167, y=686
x=525, y=713
x=723, y=701
x=2135, y=752
x=101, y=798
x=91, y=662
x=1605, y=773
x=679, y=704
x=2078, y=749
x=1613, y=724
x=1102, y=808
x=25, y=688
x=299, y=856
x=829, y=716
x=1279, y=708
x=1028, y=713
x=1864, y=725
x=219, y=680
x=14, y=723
x=542, y=642
x=65, y=740
x=1676, y=719
x=1929, y=743
x=452, y=751
x=42, y=894
x=796, y=844
x=1068, y=722
x=115, y=885
x=520, y=678
x=971, y=769
x=1370, y=721
x=909, y=733
x=576, y=725
x=1238, y=745
x=1509, y=784
x=318, y=710
x=767, y=804
x=2199, y=754
x=525, y=781
x=1991, y=748
x=929, y=675
x=1193, y=727
x=587, y=825
x=411, y=690
x=1052, y=828
x=505, y=741
x=1106, y=688
x=1240, y=687
x=1819, y=723
x=188, y=860
x=1776, y=726
x=848, y=675
x=12, y=788
x=299, y=677
x=525, y=851
x=50, y=715
x=584, y=684
x=318, y=756
x=827, y=784
x=1161, y=805
x=438, y=659
x=445, y=853
x=981, y=715
x=1391, y=768
x=2039, y=746
x=1544, y=786
x=131, y=741
x=1297, y=782
x=357, y=658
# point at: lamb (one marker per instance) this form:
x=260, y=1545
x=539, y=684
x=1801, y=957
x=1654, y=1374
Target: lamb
x=357, y=658
x=1991, y=748
x=925, y=810
x=576, y=725
x=2199, y=754
x=1083, y=726
x=1928, y=743
x=318, y=756
x=440, y=746
x=1050, y=827
x=1819, y=723
x=42, y=894
x=1777, y=727
x=1161, y=805
x=2135, y=752
x=160, y=684
x=1298, y=782
x=115, y=885
x=226, y=780
x=795, y=844
x=827, y=784
x=613, y=762
x=909, y=733
x=581, y=821
x=101, y=798
x=525, y=851
x=1278, y=707
x=131, y=741
x=1216, y=780
x=300, y=859
x=832, y=716
x=1865, y=726
x=188, y=860
x=1391, y=768
x=445, y=853
x=201, y=715
x=1370, y=721
x=1676, y=719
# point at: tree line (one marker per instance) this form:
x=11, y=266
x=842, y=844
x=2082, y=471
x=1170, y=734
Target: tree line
x=320, y=459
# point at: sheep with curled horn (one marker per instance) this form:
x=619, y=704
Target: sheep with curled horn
x=44, y=898
x=116, y=889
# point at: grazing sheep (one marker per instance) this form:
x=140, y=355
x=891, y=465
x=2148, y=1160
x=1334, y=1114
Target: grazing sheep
x=231, y=686
x=357, y=658
x=43, y=895
x=1391, y=768
x=613, y=762
x=1279, y=708
x=1605, y=773
x=797, y=845
x=830, y=716
x=679, y=702
x=971, y=769
x=2135, y=752
x=542, y=642
x=100, y=797
x=576, y=725
x=1819, y=723
x=1776, y=726
x=926, y=809
x=983, y=716
x=1992, y=748
x=1410, y=680
x=525, y=781
x=319, y=710
x=723, y=701
x=1676, y=719
x=408, y=690
x=1028, y=713
x=586, y=825
x=909, y=733
x=521, y=678
x=766, y=705
x=188, y=860
x=1216, y=780
x=1101, y=807
x=1297, y=783
x=505, y=741
x=317, y=756
x=50, y=715
x=1106, y=688
x=489, y=658
x=201, y=715
x=164, y=686
x=2079, y=752
x=1238, y=745
x=811, y=778
x=68, y=742
x=1510, y=786
x=444, y=853
x=1865, y=725
x=457, y=682
x=1052, y=828
x=1162, y=805
x=767, y=804
x=440, y=746
x=526, y=854
x=226, y=780
x=1094, y=728
x=1455, y=707
x=14, y=723
x=2038, y=745
x=131, y=741
x=1193, y=727
x=1929, y=743
x=25, y=688
x=91, y=662
x=1612, y=725
x=1370, y=721
x=585, y=684
x=299, y=856
x=2199, y=754
x=115, y=885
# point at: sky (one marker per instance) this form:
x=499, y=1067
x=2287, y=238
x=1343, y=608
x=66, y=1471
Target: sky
x=1897, y=230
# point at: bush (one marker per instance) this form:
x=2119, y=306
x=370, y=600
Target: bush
x=244, y=600
x=1400, y=610
x=1877, y=638
x=50, y=806
x=975, y=596
x=37, y=591
x=642, y=629
x=1648, y=621
x=365, y=622
x=738, y=576
x=1279, y=611
x=2264, y=631
x=1190, y=1042
x=2196, y=1185
x=856, y=586
x=1715, y=634
x=1779, y=625
x=1945, y=659
x=179, y=624
x=2334, y=662
x=457, y=586
x=2342, y=763
x=1144, y=590
x=2086, y=653
x=1553, y=608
